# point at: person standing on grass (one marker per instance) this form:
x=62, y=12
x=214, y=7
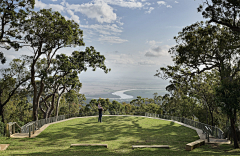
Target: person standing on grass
x=100, y=109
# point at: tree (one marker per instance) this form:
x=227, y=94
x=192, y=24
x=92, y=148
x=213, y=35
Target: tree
x=12, y=16
x=203, y=87
x=105, y=103
x=153, y=108
x=66, y=84
x=157, y=99
x=224, y=12
x=57, y=81
x=18, y=108
x=205, y=47
x=116, y=106
x=14, y=77
x=47, y=32
x=71, y=100
x=93, y=105
x=127, y=107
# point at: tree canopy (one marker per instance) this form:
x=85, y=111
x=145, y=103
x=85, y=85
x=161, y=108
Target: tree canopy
x=224, y=12
x=12, y=15
x=203, y=47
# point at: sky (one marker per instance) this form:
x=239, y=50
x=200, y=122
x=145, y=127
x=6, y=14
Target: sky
x=133, y=35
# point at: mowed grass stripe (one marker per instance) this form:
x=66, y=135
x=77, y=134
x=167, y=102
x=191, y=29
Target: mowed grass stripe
x=119, y=132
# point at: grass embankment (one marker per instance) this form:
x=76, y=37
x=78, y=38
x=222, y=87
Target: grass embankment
x=119, y=132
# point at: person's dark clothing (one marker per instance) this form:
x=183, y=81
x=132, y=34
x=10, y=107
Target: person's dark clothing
x=100, y=115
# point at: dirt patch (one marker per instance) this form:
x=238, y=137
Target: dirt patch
x=4, y=146
x=214, y=146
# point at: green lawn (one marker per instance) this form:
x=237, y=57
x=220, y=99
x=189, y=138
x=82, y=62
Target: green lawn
x=119, y=132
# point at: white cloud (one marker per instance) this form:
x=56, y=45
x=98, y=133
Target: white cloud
x=124, y=3
x=147, y=3
x=55, y=7
x=164, y=3
x=104, y=29
x=73, y=16
x=176, y=2
x=54, y=0
x=63, y=2
x=146, y=63
x=111, y=39
x=158, y=51
x=132, y=59
x=98, y=10
x=153, y=43
x=150, y=10
x=119, y=22
x=101, y=10
x=119, y=58
x=108, y=32
x=161, y=3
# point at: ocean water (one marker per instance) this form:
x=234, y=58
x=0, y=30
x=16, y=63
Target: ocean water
x=128, y=94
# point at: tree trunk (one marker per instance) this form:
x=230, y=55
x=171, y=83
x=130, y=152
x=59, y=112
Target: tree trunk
x=234, y=133
x=35, y=114
x=1, y=106
x=1, y=112
x=36, y=95
x=211, y=113
x=207, y=116
x=58, y=101
x=52, y=106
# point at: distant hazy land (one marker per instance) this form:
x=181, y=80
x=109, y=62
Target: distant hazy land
x=128, y=95
x=122, y=89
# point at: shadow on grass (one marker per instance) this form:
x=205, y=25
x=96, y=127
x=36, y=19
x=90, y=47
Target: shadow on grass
x=90, y=151
x=119, y=132
x=129, y=128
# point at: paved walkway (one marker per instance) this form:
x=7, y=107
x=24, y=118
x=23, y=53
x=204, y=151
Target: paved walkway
x=199, y=131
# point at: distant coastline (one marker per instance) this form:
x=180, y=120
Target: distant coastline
x=122, y=94
x=128, y=94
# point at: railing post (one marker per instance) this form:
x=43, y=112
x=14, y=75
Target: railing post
x=208, y=136
x=7, y=130
x=29, y=130
x=13, y=132
x=33, y=127
x=10, y=129
x=216, y=130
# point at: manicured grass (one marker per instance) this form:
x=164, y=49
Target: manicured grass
x=119, y=132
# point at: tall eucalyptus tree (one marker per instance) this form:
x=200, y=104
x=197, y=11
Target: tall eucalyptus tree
x=47, y=32
x=202, y=48
x=12, y=15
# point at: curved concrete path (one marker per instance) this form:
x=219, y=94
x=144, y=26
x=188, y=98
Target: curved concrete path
x=199, y=131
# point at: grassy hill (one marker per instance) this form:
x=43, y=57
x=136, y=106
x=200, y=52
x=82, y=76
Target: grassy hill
x=119, y=132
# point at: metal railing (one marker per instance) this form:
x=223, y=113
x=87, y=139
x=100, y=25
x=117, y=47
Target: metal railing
x=38, y=124
x=31, y=127
x=207, y=129
x=10, y=129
